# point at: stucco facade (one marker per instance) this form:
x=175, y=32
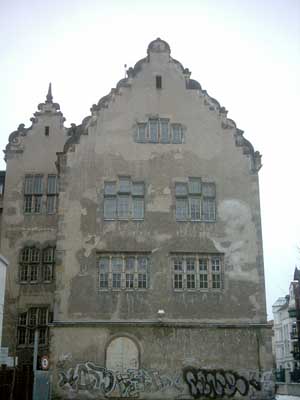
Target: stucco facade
x=158, y=289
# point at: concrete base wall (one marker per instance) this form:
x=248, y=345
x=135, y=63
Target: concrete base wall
x=291, y=389
x=172, y=362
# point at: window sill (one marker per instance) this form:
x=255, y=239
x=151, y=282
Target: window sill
x=195, y=220
x=197, y=290
x=35, y=282
x=124, y=219
x=123, y=290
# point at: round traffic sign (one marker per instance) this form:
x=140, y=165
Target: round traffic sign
x=45, y=362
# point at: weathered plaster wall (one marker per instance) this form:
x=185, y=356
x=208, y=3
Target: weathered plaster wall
x=210, y=152
x=164, y=370
x=29, y=151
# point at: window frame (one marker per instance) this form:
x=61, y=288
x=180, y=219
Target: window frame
x=52, y=195
x=34, y=264
x=114, y=204
x=36, y=195
x=158, y=82
x=29, y=321
x=196, y=272
x=33, y=194
x=133, y=277
x=159, y=130
x=190, y=192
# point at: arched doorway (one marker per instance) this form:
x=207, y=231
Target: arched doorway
x=122, y=354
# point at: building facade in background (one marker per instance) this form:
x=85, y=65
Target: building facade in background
x=286, y=343
x=284, y=327
x=134, y=243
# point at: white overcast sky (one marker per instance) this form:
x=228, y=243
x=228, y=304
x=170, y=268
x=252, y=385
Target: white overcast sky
x=245, y=53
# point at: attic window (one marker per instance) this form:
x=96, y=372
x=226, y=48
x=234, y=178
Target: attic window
x=47, y=129
x=158, y=82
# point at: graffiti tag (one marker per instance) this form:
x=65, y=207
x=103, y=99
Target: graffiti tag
x=217, y=383
x=91, y=377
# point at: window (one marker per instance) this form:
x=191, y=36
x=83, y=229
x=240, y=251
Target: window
x=216, y=272
x=48, y=264
x=197, y=272
x=164, y=131
x=153, y=127
x=191, y=273
x=116, y=266
x=124, y=199
x=47, y=130
x=177, y=133
x=203, y=273
x=142, y=271
x=36, y=266
x=159, y=130
x=51, y=194
x=142, y=133
x=123, y=272
x=195, y=200
x=209, y=202
x=178, y=273
x=34, y=194
x=103, y=272
x=29, y=321
x=158, y=82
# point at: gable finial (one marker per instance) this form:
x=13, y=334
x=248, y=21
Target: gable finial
x=49, y=96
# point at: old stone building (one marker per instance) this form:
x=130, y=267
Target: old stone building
x=134, y=244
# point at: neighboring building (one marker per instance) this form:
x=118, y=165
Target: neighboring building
x=294, y=313
x=143, y=265
x=286, y=333
x=283, y=328
x=3, y=266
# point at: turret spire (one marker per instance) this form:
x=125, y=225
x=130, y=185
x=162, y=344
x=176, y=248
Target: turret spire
x=49, y=96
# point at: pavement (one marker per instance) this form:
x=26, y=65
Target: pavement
x=284, y=397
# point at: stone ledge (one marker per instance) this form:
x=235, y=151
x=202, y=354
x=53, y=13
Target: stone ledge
x=162, y=323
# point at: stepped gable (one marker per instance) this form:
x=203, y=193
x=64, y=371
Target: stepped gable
x=16, y=138
x=160, y=46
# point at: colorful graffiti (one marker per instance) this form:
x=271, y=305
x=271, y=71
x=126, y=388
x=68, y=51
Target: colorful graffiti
x=93, y=378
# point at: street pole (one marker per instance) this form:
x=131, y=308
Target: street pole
x=35, y=356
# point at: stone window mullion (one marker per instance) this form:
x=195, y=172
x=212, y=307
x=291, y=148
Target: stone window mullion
x=123, y=272
x=209, y=273
x=184, y=272
x=135, y=279
x=110, y=273
x=197, y=272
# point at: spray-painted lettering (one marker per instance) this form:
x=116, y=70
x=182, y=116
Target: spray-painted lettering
x=217, y=384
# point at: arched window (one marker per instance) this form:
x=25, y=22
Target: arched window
x=122, y=354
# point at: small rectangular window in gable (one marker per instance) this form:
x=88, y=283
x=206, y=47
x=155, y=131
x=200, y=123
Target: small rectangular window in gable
x=47, y=130
x=158, y=82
